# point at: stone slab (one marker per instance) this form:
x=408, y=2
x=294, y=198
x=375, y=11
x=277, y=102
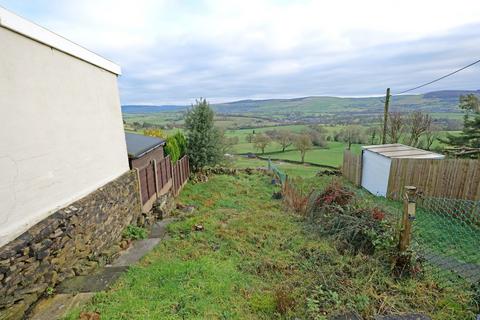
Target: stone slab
x=411, y=316
x=159, y=229
x=57, y=306
x=133, y=254
x=96, y=282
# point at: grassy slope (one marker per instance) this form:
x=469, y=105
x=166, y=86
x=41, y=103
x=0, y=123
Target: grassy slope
x=254, y=261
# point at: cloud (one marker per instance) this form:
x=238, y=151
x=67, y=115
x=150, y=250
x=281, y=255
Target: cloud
x=176, y=51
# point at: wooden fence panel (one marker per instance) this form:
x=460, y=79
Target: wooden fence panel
x=450, y=178
x=180, y=172
x=143, y=185
x=147, y=182
x=352, y=167
x=167, y=177
x=162, y=172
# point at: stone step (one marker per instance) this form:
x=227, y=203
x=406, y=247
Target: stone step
x=99, y=281
x=76, y=291
x=56, y=306
x=159, y=229
x=136, y=252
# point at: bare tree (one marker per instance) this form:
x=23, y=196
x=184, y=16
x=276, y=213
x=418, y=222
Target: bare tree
x=373, y=133
x=303, y=143
x=261, y=141
x=284, y=138
x=226, y=143
x=351, y=134
x=418, y=122
x=431, y=134
x=395, y=126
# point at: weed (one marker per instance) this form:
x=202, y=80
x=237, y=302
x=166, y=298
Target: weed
x=284, y=302
x=50, y=291
x=135, y=233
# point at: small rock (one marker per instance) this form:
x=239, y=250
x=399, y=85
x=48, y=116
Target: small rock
x=58, y=232
x=189, y=209
x=277, y=195
x=124, y=244
x=198, y=227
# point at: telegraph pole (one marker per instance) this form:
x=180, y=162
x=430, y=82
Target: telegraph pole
x=385, y=116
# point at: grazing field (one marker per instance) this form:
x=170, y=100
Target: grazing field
x=254, y=260
x=241, y=126
x=330, y=156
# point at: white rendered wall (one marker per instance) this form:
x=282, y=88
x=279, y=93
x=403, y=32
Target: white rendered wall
x=61, y=131
x=375, y=172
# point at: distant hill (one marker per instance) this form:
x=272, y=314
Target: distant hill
x=434, y=102
x=145, y=109
x=449, y=94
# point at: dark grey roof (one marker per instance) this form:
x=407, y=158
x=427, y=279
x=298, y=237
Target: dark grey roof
x=138, y=145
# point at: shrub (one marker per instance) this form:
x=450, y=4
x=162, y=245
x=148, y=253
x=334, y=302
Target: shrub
x=364, y=230
x=181, y=142
x=157, y=133
x=334, y=194
x=171, y=148
x=203, y=139
x=135, y=233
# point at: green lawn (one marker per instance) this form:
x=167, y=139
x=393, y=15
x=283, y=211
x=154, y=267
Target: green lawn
x=254, y=260
x=331, y=156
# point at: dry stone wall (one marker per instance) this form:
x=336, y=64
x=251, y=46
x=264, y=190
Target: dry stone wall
x=72, y=241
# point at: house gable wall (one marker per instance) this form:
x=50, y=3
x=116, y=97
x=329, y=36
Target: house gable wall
x=61, y=133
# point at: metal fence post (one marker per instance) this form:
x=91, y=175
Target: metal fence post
x=409, y=208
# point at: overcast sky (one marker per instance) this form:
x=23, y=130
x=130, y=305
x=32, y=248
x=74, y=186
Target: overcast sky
x=172, y=52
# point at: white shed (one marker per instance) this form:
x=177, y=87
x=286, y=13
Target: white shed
x=376, y=162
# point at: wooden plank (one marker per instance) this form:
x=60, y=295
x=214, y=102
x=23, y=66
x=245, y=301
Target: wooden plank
x=143, y=185
x=451, y=178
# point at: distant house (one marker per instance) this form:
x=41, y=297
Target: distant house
x=376, y=164
x=61, y=130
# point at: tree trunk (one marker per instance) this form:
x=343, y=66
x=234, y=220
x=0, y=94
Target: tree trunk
x=303, y=157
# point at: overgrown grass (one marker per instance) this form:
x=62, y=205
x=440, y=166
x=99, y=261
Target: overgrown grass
x=255, y=261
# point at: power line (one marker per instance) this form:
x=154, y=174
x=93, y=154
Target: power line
x=438, y=79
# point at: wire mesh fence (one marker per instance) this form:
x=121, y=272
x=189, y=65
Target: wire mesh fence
x=446, y=233
x=277, y=172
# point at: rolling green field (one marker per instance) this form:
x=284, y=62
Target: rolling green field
x=332, y=155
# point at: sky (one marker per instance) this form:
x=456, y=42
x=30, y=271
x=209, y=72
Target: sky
x=173, y=51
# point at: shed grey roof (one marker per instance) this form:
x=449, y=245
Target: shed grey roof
x=138, y=145
x=398, y=150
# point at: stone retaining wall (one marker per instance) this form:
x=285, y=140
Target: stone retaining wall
x=71, y=241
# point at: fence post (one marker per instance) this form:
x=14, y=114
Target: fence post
x=409, y=207
x=155, y=176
